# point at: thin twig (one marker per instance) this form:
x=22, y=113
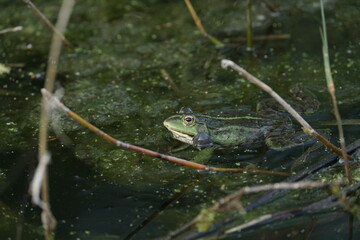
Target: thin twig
x=8, y=30
x=270, y=196
x=195, y=18
x=306, y=173
x=306, y=126
x=47, y=22
x=263, y=37
x=60, y=106
x=225, y=202
x=200, y=26
x=48, y=219
x=317, y=206
x=249, y=224
x=163, y=206
x=165, y=75
x=331, y=89
x=232, y=202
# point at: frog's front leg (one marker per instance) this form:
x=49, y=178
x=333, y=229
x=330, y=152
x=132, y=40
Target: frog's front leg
x=202, y=139
x=204, y=143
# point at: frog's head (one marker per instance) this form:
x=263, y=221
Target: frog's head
x=183, y=126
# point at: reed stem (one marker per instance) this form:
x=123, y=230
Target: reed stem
x=49, y=222
x=199, y=25
x=331, y=89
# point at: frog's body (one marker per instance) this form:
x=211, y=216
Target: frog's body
x=203, y=131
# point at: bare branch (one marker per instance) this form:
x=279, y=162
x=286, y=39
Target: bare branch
x=306, y=126
x=47, y=22
x=8, y=30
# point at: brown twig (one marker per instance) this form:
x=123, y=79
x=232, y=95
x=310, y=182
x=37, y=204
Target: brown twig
x=47, y=22
x=331, y=89
x=200, y=26
x=60, y=106
x=306, y=126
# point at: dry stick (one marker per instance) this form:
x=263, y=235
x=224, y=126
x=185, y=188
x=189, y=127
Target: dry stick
x=47, y=22
x=266, y=187
x=221, y=204
x=308, y=209
x=200, y=26
x=233, y=200
x=49, y=221
x=331, y=89
x=306, y=127
x=14, y=29
x=60, y=106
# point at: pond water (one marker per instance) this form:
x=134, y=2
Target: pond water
x=114, y=78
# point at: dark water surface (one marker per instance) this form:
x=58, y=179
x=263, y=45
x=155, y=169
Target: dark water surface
x=113, y=79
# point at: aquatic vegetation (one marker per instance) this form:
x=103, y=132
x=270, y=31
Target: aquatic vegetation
x=131, y=66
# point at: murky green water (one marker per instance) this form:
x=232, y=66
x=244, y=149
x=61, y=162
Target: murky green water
x=113, y=79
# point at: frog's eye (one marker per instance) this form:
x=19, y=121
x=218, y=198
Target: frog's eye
x=188, y=119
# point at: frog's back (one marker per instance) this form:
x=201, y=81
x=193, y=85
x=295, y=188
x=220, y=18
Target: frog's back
x=243, y=131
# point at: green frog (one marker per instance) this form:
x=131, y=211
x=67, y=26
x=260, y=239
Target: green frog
x=269, y=127
x=248, y=131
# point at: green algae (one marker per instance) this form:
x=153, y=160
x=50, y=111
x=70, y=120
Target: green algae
x=112, y=78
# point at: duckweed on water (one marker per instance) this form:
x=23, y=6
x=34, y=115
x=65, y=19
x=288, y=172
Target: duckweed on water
x=113, y=79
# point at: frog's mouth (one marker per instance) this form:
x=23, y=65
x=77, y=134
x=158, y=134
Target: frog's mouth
x=182, y=137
